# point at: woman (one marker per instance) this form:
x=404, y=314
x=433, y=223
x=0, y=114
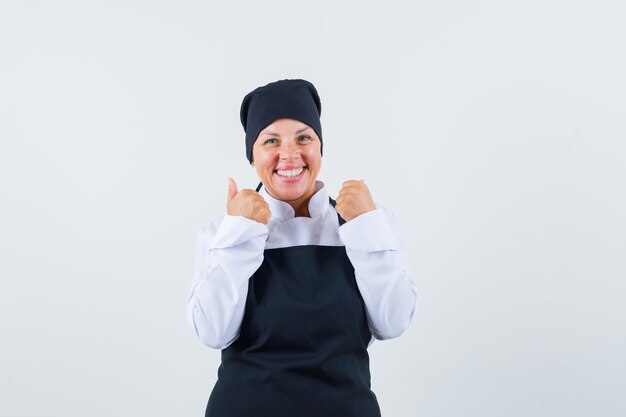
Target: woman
x=292, y=286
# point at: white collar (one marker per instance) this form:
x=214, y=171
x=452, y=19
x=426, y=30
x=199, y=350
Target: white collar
x=282, y=211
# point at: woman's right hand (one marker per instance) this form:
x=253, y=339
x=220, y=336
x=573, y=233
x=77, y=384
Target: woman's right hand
x=247, y=203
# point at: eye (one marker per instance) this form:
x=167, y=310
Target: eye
x=304, y=138
x=271, y=141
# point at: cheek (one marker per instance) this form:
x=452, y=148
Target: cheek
x=265, y=161
x=313, y=157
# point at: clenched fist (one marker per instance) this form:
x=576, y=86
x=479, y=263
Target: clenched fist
x=354, y=199
x=247, y=203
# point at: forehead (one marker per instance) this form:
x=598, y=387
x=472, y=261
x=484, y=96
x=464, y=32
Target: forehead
x=285, y=125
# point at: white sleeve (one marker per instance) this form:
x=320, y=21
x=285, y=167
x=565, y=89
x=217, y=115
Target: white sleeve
x=382, y=274
x=228, y=252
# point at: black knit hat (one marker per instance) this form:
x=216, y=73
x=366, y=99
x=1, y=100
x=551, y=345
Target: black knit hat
x=291, y=99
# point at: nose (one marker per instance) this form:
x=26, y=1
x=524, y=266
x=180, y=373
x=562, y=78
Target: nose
x=289, y=151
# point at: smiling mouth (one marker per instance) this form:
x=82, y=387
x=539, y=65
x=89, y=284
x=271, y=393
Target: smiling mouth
x=289, y=173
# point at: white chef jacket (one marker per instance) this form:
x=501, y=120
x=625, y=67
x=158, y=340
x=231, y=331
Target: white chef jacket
x=230, y=249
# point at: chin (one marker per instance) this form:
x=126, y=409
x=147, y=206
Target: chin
x=289, y=195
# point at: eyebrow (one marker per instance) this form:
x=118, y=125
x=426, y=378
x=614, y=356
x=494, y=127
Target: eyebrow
x=276, y=134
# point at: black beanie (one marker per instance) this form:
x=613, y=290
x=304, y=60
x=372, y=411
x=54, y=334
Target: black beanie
x=291, y=99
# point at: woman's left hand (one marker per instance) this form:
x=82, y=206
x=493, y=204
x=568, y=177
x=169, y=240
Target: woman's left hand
x=354, y=199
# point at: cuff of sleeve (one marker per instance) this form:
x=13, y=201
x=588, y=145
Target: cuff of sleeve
x=234, y=230
x=369, y=232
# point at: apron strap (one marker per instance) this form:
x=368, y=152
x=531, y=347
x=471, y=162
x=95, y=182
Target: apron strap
x=332, y=203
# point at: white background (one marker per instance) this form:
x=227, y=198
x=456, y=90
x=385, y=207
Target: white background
x=494, y=130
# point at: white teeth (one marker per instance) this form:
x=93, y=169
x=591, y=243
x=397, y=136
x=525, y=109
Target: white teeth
x=290, y=173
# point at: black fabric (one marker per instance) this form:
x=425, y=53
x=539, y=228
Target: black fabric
x=334, y=203
x=302, y=347
x=292, y=99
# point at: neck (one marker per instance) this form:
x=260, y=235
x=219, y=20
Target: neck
x=301, y=205
x=302, y=210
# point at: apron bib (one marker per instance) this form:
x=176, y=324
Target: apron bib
x=302, y=348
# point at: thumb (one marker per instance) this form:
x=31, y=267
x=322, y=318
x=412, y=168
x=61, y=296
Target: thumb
x=232, y=189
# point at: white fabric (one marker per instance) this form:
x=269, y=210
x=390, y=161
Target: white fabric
x=230, y=249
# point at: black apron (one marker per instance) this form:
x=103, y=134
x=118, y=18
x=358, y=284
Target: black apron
x=302, y=347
